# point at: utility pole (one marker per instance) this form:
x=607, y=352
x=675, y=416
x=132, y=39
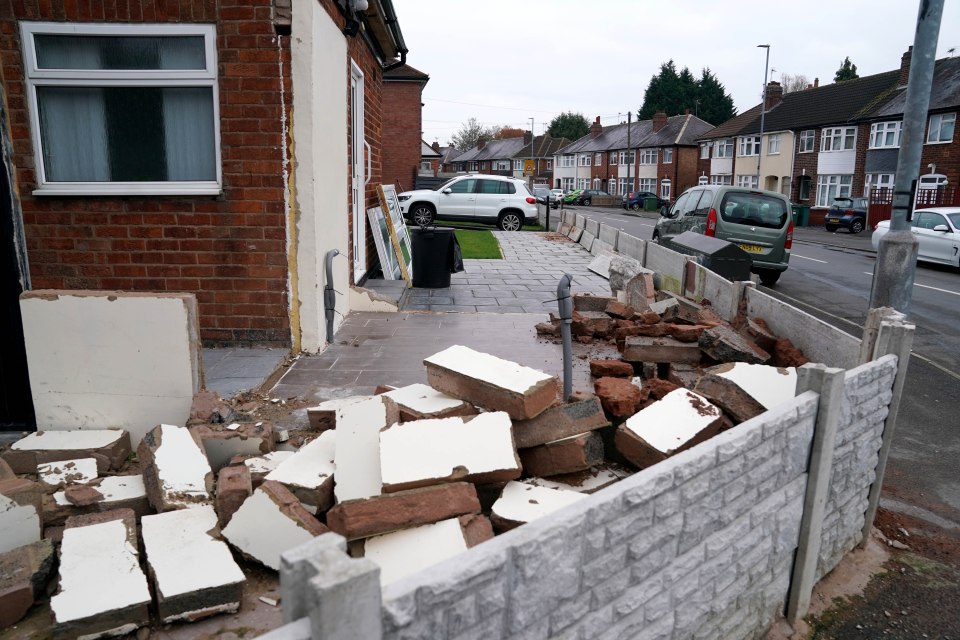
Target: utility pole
x=896, y=264
x=763, y=109
x=629, y=161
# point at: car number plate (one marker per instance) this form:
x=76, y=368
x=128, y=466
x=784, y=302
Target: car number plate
x=751, y=248
x=834, y=220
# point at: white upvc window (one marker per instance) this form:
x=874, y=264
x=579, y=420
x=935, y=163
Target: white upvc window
x=596, y=183
x=806, y=140
x=626, y=185
x=665, y=189
x=585, y=160
x=723, y=148
x=549, y=164
x=614, y=157
x=597, y=159
x=648, y=184
x=123, y=109
x=628, y=158
x=773, y=144
x=583, y=183
x=748, y=146
x=838, y=139
x=704, y=150
x=474, y=166
x=648, y=156
x=877, y=181
x=885, y=135
x=518, y=165
x=504, y=165
x=567, y=184
x=747, y=182
x=721, y=179
x=941, y=127
x=829, y=188
x=667, y=155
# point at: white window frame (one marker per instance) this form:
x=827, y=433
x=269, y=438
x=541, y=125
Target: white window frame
x=648, y=184
x=549, y=164
x=586, y=160
x=665, y=188
x=773, y=145
x=808, y=138
x=35, y=77
x=583, y=183
x=625, y=185
x=723, y=148
x=838, y=139
x=503, y=165
x=648, y=156
x=877, y=181
x=667, y=155
x=748, y=146
x=518, y=165
x=951, y=117
x=705, y=151
x=597, y=159
x=722, y=179
x=567, y=184
x=748, y=182
x=880, y=131
x=474, y=166
x=614, y=157
x=843, y=185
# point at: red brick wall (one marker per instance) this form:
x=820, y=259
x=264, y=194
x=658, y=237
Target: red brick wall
x=402, y=127
x=945, y=156
x=230, y=251
x=686, y=161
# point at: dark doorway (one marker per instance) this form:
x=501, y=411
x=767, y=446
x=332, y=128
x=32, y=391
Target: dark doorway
x=16, y=403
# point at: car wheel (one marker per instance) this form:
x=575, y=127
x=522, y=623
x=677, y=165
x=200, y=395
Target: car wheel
x=769, y=278
x=422, y=214
x=856, y=226
x=635, y=206
x=829, y=227
x=586, y=202
x=656, y=237
x=510, y=221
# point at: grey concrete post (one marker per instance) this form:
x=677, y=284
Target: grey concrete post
x=870, y=329
x=828, y=382
x=895, y=336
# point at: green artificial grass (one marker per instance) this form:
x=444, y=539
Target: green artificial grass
x=478, y=244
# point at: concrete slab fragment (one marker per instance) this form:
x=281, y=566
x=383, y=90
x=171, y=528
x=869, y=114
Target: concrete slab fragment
x=24, y=573
x=600, y=247
x=575, y=233
x=79, y=471
x=770, y=386
x=723, y=344
x=176, y=472
x=146, y=344
x=420, y=402
x=100, y=558
x=114, y=492
x=261, y=466
x=270, y=522
x=648, y=349
x=586, y=240
x=427, y=452
x=110, y=447
x=324, y=415
x=520, y=503
x=357, y=455
x=491, y=382
x=601, y=265
x=193, y=574
x=308, y=473
x=402, y=553
x=19, y=525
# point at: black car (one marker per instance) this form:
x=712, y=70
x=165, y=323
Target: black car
x=587, y=195
x=544, y=196
x=850, y=213
x=636, y=200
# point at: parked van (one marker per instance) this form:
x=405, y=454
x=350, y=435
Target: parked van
x=759, y=222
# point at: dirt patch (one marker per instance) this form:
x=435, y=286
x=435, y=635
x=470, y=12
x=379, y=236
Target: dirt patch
x=553, y=236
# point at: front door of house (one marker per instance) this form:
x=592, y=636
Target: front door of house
x=359, y=158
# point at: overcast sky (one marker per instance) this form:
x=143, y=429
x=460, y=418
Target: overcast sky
x=506, y=61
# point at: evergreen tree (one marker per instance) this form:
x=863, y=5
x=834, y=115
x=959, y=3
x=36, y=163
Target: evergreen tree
x=674, y=92
x=662, y=94
x=569, y=125
x=847, y=71
x=714, y=103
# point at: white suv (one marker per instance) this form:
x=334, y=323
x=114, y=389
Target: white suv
x=506, y=202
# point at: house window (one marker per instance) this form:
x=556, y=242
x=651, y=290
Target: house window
x=518, y=165
x=625, y=185
x=803, y=191
x=504, y=165
x=806, y=140
x=941, y=127
x=749, y=146
x=585, y=160
x=583, y=183
x=566, y=161
x=665, y=189
x=748, y=182
x=474, y=166
x=597, y=159
x=878, y=181
x=721, y=179
x=648, y=156
x=648, y=184
x=885, y=135
x=425, y=165
x=614, y=157
x=667, y=156
x=702, y=180
x=723, y=148
x=773, y=144
x=549, y=164
x=596, y=183
x=704, y=151
x=123, y=110
x=838, y=138
x=628, y=157
x=567, y=184
x=829, y=188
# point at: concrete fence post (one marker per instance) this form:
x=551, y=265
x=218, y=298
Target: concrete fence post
x=340, y=595
x=828, y=382
x=895, y=336
x=870, y=330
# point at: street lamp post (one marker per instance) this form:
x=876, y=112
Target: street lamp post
x=763, y=109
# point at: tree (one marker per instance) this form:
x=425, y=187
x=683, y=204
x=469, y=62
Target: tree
x=673, y=93
x=471, y=132
x=847, y=71
x=569, y=125
x=508, y=132
x=714, y=104
x=792, y=83
x=664, y=93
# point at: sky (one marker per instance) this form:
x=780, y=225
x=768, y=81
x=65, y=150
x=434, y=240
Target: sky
x=506, y=61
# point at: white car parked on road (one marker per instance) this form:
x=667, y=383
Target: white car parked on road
x=936, y=230
x=500, y=200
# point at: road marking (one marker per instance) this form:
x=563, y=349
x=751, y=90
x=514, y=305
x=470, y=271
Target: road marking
x=925, y=286
x=794, y=255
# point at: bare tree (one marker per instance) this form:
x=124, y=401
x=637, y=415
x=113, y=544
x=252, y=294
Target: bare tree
x=794, y=82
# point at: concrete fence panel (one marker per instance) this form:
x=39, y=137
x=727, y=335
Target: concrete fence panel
x=580, y=220
x=609, y=235
x=593, y=226
x=702, y=284
x=631, y=246
x=668, y=266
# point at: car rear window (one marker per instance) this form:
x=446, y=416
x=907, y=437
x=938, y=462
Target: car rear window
x=754, y=209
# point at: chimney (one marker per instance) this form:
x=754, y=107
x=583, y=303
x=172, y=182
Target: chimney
x=816, y=82
x=435, y=146
x=481, y=143
x=527, y=137
x=774, y=95
x=659, y=121
x=596, y=128
x=686, y=112
x=905, y=66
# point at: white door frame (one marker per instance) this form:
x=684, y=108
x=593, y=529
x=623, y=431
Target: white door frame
x=359, y=172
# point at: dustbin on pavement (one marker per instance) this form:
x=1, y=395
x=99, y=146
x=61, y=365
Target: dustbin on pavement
x=435, y=256
x=801, y=215
x=650, y=204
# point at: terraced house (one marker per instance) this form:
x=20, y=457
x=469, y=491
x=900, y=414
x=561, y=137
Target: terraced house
x=657, y=155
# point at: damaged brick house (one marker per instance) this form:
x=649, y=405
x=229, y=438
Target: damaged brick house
x=220, y=149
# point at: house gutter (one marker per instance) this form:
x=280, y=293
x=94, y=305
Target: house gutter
x=390, y=19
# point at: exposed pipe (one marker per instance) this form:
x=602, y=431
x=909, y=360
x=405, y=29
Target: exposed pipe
x=329, y=293
x=565, y=302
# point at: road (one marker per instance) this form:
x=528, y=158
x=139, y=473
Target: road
x=830, y=277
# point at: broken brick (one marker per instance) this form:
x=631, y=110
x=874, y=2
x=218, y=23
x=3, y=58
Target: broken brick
x=644, y=349
x=683, y=312
x=110, y=448
x=521, y=503
x=401, y=553
x=760, y=333
x=619, y=398
x=492, y=383
x=785, y=354
x=233, y=487
x=588, y=302
x=616, y=309
x=103, y=494
x=67, y=472
x=660, y=306
x=769, y=386
x=647, y=317
x=308, y=473
x=82, y=495
x=640, y=291
x=6, y=473
x=176, y=472
x=575, y=453
x=209, y=407
x=723, y=344
x=476, y=529
x=611, y=369
x=728, y=395
x=402, y=510
x=591, y=323
x=24, y=573
x=261, y=466
x=547, y=329
x=686, y=332
x=324, y=416
x=650, y=331
x=658, y=388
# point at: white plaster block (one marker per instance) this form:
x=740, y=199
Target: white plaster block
x=267, y=463
x=425, y=400
x=19, y=525
x=357, y=455
x=673, y=420
x=114, y=489
x=68, y=440
x=521, y=502
x=99, y=573
x=79, y=471
x=182, y=469
x=308, y=473
x=425, y=452
x=583, y=482
x=767, y=385
x=490, y=369
x=403, y=553
x=129, y=360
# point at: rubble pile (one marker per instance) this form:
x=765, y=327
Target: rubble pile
x=409, y=476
